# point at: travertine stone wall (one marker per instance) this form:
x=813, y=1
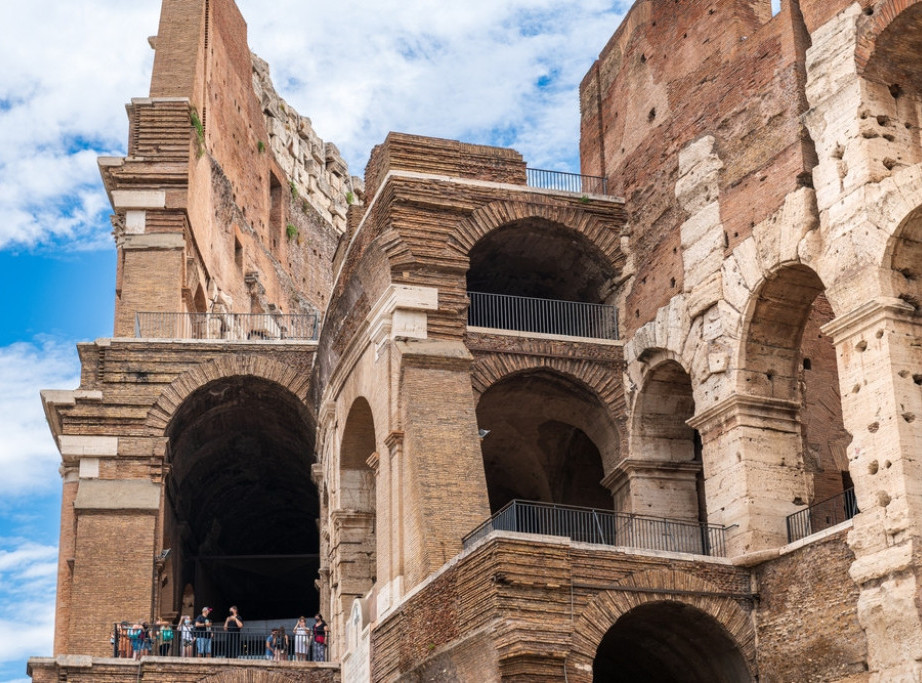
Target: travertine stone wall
x=316, y=168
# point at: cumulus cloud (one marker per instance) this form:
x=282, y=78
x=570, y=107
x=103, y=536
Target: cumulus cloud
x=491, y=71
x=28, y=572
x=68, y=71
x=28, y=455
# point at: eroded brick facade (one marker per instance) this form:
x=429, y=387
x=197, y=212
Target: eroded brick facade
x=762, y=253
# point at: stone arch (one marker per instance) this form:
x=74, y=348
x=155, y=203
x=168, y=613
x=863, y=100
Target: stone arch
x=546, y=437
x=875, y=33
x=662, y=475
x=606, y=608
x=492, y=216
x=239, y=506
x=786, y=360
x=353, y=533
x=240, y=675
x=601, y=378
x=160, y=414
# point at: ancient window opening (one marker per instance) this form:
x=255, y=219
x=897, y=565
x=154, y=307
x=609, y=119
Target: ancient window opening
x=276, y=210
x=549, y=440
x=533, y=275
x=669, y=641
x=534, y=257
x=238, y=253
x=241, y=510
x=354, y=564
x=663, y=475
x=786, y=356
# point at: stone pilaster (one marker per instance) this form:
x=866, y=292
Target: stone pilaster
x=754, y=475
x=879, y=349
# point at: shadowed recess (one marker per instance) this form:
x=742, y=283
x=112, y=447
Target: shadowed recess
x=242, y=506
x=668, y=642
x=546, y=440
x=536, y=258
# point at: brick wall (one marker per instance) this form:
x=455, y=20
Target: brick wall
x=806, y=622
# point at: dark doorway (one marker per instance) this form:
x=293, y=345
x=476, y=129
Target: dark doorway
x=241, y=508
x=668, y=642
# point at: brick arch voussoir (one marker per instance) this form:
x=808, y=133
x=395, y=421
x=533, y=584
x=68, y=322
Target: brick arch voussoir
x=171, y=398
x=495, y=215
x=883, y=15
x=609, y=606
x=492, y=368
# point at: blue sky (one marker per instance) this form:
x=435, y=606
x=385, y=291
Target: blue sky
x=489, y=71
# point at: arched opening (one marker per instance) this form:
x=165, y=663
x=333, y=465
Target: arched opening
x=663, y=476
x=545, y=438
x=241, y=510
x=906, y=261
x=787, y=357
x=668, y=642
x=537, y=276
x=353, y=537
x=892, y=87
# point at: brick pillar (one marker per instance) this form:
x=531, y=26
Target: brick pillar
x=151, y=274
x=445, y=489
x=113, y=562
x=753, y=471
x=879, y=349
x=65, y=559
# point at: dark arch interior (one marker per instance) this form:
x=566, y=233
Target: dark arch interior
x=668, y=642
x=896, y=53
x=545, y=442
x=242, y=509
x=536, y=258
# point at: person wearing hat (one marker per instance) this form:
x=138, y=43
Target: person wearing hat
x=202, y=632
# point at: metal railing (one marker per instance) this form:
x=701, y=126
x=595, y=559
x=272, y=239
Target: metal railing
x=822, y=515
x=605, y=528
x=232, y=326
x=543, y=316
x=133, y=641
x=565, y=182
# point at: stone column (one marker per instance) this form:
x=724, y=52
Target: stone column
x=879, y=349
x=753, y=471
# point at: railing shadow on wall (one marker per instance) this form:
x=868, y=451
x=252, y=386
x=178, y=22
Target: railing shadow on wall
x=542, y=316
x=588, y=525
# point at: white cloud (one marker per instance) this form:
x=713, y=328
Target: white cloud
x=28, y=456
x=68, y=71
x=28, y=572
x=460, y=70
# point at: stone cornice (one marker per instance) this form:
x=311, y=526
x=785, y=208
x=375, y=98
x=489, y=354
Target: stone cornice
x=867, y=315
x=747, y=407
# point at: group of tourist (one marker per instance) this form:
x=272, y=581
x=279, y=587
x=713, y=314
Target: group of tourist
x=200, y=638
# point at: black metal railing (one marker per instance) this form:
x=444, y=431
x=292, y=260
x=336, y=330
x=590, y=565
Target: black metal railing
x=133, y=641
x=566, y=182
x=588, y=525
x=232, y=326
x=822, y=515
x=543, y=316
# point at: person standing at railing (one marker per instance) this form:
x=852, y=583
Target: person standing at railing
x=302, y=635
x=232, y=626
x=280, y=645
x=164, y=632
x=203, y=633
x=186, y=637
x=319, y=649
